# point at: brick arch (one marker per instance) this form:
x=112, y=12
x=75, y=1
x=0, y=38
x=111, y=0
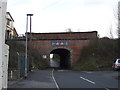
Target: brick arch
x=65, y=57
x=70, y=57
x=69, y=49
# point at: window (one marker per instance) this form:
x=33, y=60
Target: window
x=118, y=60
x=7, y=34
x=8, y=22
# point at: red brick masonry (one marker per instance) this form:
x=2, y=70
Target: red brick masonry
x=73, y=42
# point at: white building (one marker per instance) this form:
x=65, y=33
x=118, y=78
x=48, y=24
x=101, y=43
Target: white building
x=10, y=31
x=4, y=49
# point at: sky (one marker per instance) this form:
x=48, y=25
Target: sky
x=60, y=15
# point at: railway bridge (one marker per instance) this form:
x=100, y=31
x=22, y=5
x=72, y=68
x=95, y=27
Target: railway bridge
x=68, y=45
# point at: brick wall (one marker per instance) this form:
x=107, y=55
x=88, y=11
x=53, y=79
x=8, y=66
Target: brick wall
x=76, y=41
x=64, y=35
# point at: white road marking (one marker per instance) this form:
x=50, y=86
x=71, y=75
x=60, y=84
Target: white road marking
x=87, y=72
x=63, y=70
x=87, y=80
x=55, y=80
x=107, y=88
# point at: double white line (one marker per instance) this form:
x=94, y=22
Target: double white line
x=55, y=80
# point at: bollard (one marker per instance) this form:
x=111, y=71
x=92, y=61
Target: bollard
x=11, y=74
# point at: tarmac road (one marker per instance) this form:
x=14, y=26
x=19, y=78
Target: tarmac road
x=108, y=80
x=63, y=79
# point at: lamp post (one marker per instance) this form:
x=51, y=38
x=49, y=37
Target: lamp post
x=26, y=61
x=30, y=20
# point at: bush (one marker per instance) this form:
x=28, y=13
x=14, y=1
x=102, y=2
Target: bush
x=13, y=56
x=15, y=47
x=99, y=55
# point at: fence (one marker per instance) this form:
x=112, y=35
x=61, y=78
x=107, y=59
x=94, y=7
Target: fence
x=19, y=72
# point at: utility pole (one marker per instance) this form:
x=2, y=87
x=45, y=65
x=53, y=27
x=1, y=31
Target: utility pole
x=26, y=55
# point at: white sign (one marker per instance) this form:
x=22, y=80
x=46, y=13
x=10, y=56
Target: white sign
x=44, y=56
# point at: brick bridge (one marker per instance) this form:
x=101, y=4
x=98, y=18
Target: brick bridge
x=68, y=45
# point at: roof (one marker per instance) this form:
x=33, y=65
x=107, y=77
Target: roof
x=10, y=15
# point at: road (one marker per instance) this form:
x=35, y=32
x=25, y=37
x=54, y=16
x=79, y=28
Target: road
x=54, y=63
x=87, y=79
x=59, y=79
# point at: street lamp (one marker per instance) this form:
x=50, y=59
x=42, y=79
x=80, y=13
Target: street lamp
x=26, y=61
x=30, y=20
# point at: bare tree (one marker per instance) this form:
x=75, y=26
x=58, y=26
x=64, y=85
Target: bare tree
x=111, y=32
x=68, y=30
x=118, y=29
x=118, y=19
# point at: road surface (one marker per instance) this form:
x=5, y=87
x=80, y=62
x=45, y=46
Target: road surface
x=107, y=80
x=54, y=63
x=59, y=79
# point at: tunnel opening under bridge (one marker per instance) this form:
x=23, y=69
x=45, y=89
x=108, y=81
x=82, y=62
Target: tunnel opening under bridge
x=62, y=57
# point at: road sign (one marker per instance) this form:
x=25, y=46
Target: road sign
x=59, y=43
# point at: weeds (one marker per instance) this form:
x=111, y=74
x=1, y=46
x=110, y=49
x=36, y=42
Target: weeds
x=99, y=55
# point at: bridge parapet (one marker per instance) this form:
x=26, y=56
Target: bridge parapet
x=63, y=35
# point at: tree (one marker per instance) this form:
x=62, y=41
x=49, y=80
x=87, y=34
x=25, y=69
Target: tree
x=119, y=27
x=68, y=30
x=111, y=32
x=118, y=19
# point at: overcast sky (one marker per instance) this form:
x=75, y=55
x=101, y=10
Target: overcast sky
x=59, y=15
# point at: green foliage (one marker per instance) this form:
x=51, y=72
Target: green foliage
x=99, y=55
x=36, y=61
x=13, y=56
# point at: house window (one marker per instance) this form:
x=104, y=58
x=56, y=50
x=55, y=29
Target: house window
x=7, y=34
x=8, y=21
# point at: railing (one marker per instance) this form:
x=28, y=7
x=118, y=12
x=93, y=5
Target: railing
x=19, y=71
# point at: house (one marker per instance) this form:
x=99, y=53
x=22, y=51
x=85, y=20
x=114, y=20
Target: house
x=10, y=29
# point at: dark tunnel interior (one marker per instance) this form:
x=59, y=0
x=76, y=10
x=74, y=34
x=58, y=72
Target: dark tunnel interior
x=64, y=57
